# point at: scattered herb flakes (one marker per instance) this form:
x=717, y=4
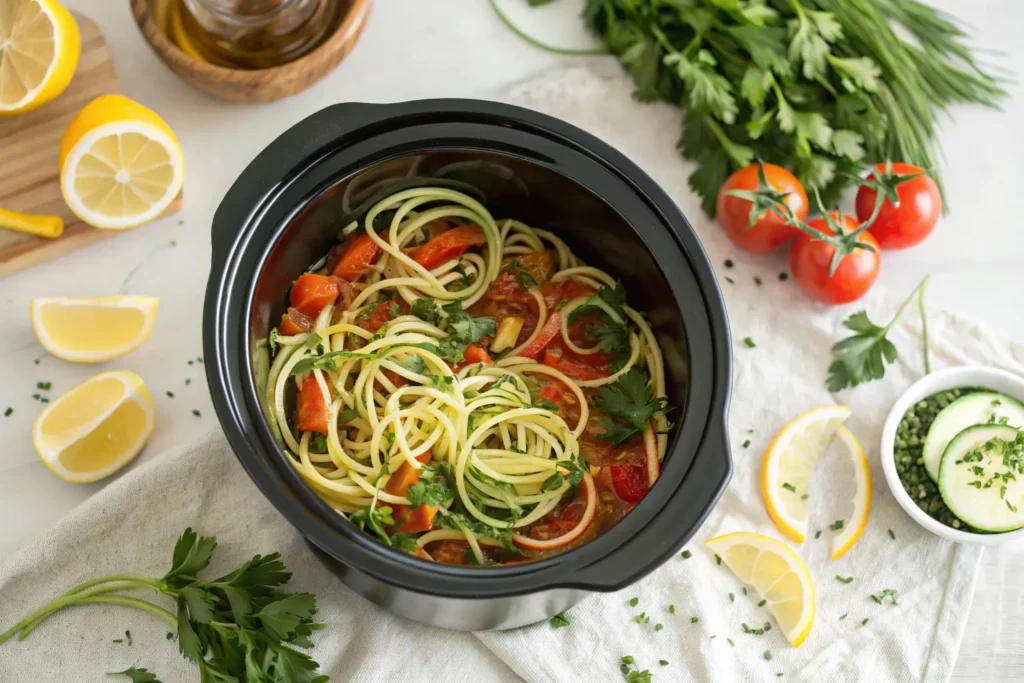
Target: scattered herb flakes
x=7, y=413
x=783, y=277
x=891, y=534
x=642, y=618
x=786, y=485
x=779, y=675
x=804, y=497
x=730, y=280
x=199, y=359
x=45, y=386
x=731, y=644
x=36, y=361
x=729, y=263
x=762, y=603
x=46, y=400
x=744, y=590
x=694, y=620
x=658, y=627
x=173, y=243
x=848, y=579
x=663, y=662
x=844, y=616
x=713, y=636
x=686, y=554
x=36, y=396
x=746, y=443
x=671, y=609
x=886, y=593
x=188, y=381
x=558, y=621
x=877, y=599
x=753, y=631
x=718, y=559
x=864, y=621
x=836, y=525
x=767, y=655
x=732, y=598
x=128, y=635
x=191, y=362
x=757, y=281
x=170, y=636
x=633, y=602
x=749, y=343
x=196, y=412
x=817, y=534
x=117, y=640
x=170, y=394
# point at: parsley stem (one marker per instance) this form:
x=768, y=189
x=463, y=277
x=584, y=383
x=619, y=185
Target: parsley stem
x=924, y=325
x=543, y=46
x=123, y=600
x=903, y=306
x=159, y=585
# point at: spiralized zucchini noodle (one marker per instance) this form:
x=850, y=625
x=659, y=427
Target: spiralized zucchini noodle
x=424, y=421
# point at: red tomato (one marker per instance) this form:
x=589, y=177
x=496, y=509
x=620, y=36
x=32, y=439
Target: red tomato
x=575, y=365
x=912, y=219
x=539, y=265
x=310, y=408
x=448, y=552
x=564, y=290
x=448, y=245
x=351, y=259
x=381, y=314
x=559, y=521
x=294, y=322
x=551, y=329
x=310, y=293
x=810, y=260
x=476, y=354
x=630, y=479
x=770, y=231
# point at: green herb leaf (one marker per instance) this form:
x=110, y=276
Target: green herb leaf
x=559, y=621
x=426, y=309
x=631, y=401
x=137, y=675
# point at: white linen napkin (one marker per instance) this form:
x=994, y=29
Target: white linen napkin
x=132, y=524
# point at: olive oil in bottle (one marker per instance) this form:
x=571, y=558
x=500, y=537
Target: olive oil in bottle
x=252, y=34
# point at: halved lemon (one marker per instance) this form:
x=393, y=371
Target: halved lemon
x=96, y=428
x=39, y=50
x=854, y=527
x=778, y=575
x=93, y=329
x=120, y=164
x=788, y=463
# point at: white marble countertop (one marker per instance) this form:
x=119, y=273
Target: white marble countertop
x=457, y=48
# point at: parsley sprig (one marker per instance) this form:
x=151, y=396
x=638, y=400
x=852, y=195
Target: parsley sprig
x=631, y=403
x=241, y=626
x=607, y=304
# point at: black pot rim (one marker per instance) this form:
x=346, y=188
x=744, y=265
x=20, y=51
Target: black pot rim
x=342, y=139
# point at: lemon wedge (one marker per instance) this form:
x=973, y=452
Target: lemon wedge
x=778, y=575
x=854, y=527
x=39, y=50
x=93, y=329
x=96, y=428
x=120, y=164
x=788, y=463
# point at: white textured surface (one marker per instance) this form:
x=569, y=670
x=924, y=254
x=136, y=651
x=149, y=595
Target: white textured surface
x=457, y=48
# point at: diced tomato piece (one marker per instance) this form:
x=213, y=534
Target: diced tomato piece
x=401, y=480
x=577, y=366
x=419, y=518
x=551, y=329
x=295, y=322
x=310, y=408
x=449, y=552
x=381, y=314
x=312, y=292
x=476, y=354
x=416, y=520
x=539, y=265
x=565, y=290
x=558, y=522
x=352, y=259
x=630, y=479
x=553, y=392
x=448, y=245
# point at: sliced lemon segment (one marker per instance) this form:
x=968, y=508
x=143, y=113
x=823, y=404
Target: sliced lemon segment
x=788, y=463
x=854, y=527
x=39, y=50
x=93, y=329
x=120, y=164
x=778, y=575
x=96, y=428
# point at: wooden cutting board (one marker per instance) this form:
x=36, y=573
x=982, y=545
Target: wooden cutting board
x=29, y=152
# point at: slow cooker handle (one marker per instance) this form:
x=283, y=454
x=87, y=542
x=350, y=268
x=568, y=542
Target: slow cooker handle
x=277, y=165
x=689, y=507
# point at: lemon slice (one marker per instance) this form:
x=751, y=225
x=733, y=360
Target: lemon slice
x=120, y=164
x=93, y=329
x=854, y=527
x=788, y=463
x=39, y=50
x=778, y=575
x=96, y=428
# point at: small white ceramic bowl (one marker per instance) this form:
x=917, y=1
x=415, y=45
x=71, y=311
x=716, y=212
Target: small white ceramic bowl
x=950, y=378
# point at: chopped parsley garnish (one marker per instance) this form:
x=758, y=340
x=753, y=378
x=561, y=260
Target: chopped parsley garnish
x=817, y=534
x=757, y=281
x=783, y=277
x=631, y=403
x=327, y=361
x=547, y=404
x=886, y=593
x=45, y=386
x=136, y=675
x=553, y=483
x=671, y=609
x=612, y=334
x=658, y=627
x=749, y=343
x=631, y=673
x=731, y=644
x=732, y=597
x=762, y=603
x=7, y=413
x=804, y=497
x=864, y=621
x=836, y=525
x=718, y=559
x=559, y=621
x=663, y=662
x=686, y=554
x=525, y=280
x=642, y=618
x=196, y=412
x=767, y=655
x=844, y=616
x=848, y=579
x=464, y=328
x=746, y=443
x=893, y=536
x=633, y=602
x=694, y=620
x=170, y=394
x=426, y=309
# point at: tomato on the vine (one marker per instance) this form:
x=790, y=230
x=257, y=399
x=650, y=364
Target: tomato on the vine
x=810, y=260
x=769, y=231
x=909, y=221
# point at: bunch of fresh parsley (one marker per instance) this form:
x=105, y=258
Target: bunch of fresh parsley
x=816, y=86
x=240, y=627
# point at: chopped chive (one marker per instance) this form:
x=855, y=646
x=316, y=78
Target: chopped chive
x=170, y=394
x=729, y=640
x=762, y=603
x=44, y=400
x=128, y=635
x=190, y=362
x=757, y=281
x=658, y=627
x=732, y=598
x=196, y=412
x=836, y=525
x=7, y=413
x=767, y=655
x=817, y=534
x=173, y=243
x=746, y=443
x=117, y=640
x=789, y=487
x=663, y=662
x=877, y=599
x=686, y=554
x=730, y=280
x=804, y=497
x=671, y=609
x=633, y=601
x=864, y=622
x=718, y=559
x=626, y=660
x=783, y=277
x=45, y=386
x=199, y=359
x=744, y=590
x=844, y=616
x=713, y=636
x=35, y=396
x=694, y=620
x=187, y=381
x=749, y=343
x=36, y=361
x=170, y=636
x=728, y=263
x=848, y=579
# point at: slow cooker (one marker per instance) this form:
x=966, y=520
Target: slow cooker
x=284, y=212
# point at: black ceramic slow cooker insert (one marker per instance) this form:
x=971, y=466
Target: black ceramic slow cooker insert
x=283, y=214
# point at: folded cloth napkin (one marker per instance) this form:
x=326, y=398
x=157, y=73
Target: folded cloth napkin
x=132, y=524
